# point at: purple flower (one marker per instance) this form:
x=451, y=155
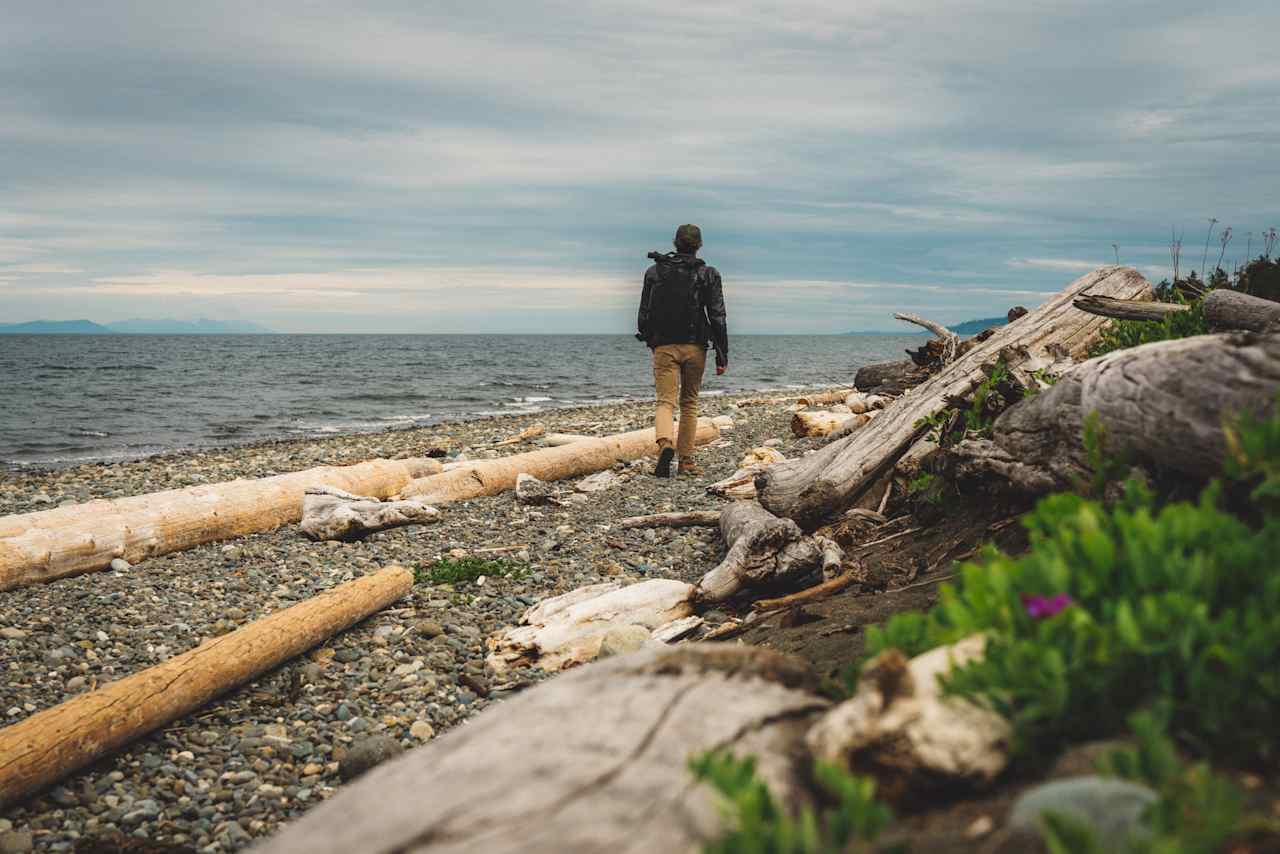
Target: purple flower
x=1040, y=607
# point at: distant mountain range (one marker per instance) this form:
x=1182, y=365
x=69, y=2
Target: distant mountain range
x=969, y=327
x=137, y=326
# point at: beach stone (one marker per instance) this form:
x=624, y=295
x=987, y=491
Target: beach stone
x=121, y=565
x=430, y=629
x=598, y=482
x=622, y=640
x=1112, y=808
x=531, y=491
x=16, y=842
x=11, y=633
x=367, y=753
x=422, y=731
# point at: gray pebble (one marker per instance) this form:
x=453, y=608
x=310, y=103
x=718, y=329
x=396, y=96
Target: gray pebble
x=367, y=753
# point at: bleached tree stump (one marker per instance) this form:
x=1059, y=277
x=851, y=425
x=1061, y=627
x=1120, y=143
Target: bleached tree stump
x=592, y=762
x=763, y=551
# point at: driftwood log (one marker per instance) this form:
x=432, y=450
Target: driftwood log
x=689, y=519
x=1128, y=309
x=1161, y=404
x=1225, y=309
x=948, y=340
x=764, y=550
x=331, y=514
x=49, y=745
x=555, y=440
x=818, y=423
x=492, y=477
x=889, y=377
x=36, y=547
x=826, y=483
x=593, y=761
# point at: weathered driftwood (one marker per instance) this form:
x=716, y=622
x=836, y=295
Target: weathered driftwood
x=812, y=594
x=331, y=514
x=1162, y=404
x=889, y=377
x=1226, y=309
x=555, y=440
x=47, y=746
x=690, y=519
x=531, y=432
x=590, y=762
x=567, y=630
x=1128, y=309
x=741, y=484
x=950, y=341
x=825, y=398
x=851, y=425
x=491, y=477
x=827, y=482
x=763, y=550
x=36, y=547
x=902, y=729
x=813, y=424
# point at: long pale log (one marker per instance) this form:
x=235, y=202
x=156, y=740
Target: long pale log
x=593, y=761
x=555, y=440
x=1128, y=309
x=689, y=519
x=827, y=482
x=1226, y=309
x=492, y=477
x=810, y=424
x=49, y=745
x=36, y=547
x=824, y=398
x=1162, y=404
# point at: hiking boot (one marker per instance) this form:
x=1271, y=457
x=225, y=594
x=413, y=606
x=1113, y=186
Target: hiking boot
x=691, y=469
x=663, y=469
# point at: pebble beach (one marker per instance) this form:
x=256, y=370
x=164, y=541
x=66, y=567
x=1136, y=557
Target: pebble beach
x=238, y=768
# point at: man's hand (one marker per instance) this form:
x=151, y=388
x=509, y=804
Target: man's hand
x=721, y=367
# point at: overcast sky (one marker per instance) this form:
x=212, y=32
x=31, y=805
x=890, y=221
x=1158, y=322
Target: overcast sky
x=419, y=166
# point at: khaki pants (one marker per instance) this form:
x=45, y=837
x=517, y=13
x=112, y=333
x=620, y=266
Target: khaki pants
x=682, y=364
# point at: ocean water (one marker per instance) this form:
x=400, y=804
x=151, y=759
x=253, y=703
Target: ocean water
x=66, y=399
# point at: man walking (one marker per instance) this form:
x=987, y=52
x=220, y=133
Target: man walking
x=681, y=312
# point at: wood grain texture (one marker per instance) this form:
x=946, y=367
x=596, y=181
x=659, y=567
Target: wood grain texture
x=592, y=762
x=763, y=550
x=826, y=483
x=38, y=547
x=1128, y=309
x=1225, y=309
x=492, y=477
x=47, y=746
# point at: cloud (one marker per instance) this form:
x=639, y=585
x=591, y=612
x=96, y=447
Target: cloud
x=284, y=160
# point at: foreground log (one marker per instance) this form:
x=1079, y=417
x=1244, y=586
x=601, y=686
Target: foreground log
x=331, y=514
x=555, y=440
x=764, y=550
x=567, y=630
x=36, y=547
x=491, y=477
x=827, y=482
x=1129, y=309
x=1225, y=309
x=1161, y=404
x=593, y=761
x=51, y=744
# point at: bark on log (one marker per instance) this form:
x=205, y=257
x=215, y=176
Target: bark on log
x=593, y=761
x=556, y=440
x=1225, y=309
x=331, y=514
x=1160, y=404
x=889, y=377
x=49, y=745
x=36, y=547
x=763, y=550
x=691, y=519
x=1128, y=309
x=826, y=483
x=806, y=424
x=491, y=477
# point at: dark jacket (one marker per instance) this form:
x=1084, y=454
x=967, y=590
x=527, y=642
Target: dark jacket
x=683, y=303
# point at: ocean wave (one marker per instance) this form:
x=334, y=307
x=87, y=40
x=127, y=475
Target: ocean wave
x=96, y=368
x=390, y=397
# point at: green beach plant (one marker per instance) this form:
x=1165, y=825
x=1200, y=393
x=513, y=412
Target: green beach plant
x=448, y=570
